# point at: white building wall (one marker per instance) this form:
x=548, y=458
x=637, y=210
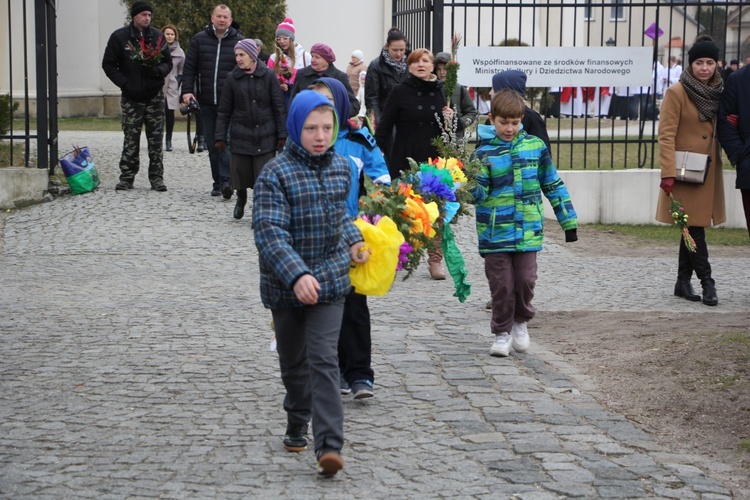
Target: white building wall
x=344, y=25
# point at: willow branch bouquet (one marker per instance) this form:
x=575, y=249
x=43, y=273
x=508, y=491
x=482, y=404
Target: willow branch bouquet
x=681, y=221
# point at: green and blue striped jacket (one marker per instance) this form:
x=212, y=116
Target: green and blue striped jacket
x=508, y=193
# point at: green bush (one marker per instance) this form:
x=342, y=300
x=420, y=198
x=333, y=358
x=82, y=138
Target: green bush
x=5, y=113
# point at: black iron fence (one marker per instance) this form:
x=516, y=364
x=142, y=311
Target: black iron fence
x=582, y=134
x=41, y=60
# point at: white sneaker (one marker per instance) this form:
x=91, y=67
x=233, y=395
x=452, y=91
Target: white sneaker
x=501, y=346
x=520, y=334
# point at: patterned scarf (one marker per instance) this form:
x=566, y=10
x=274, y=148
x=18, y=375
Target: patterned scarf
x=705, y=96
x=399, y=66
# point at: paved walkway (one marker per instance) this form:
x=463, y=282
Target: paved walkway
x=134, y=362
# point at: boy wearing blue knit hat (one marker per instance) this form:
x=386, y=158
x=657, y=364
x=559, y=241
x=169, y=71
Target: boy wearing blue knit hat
x=306, y=242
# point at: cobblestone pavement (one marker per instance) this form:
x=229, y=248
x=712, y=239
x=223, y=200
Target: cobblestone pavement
x=135, y=362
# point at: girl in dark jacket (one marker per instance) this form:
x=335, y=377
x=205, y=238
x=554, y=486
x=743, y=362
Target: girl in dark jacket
x=253, y=104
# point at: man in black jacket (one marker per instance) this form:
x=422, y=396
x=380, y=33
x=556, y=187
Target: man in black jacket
x=137, y=59
x=209, y=61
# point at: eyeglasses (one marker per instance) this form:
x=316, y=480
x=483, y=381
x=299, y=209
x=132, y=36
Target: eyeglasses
x=282, y=38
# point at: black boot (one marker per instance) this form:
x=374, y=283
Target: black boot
x=201, y=144
x=684, y=289
x=709, y=292
x=168, y=145
x=294, y=437
x=239, y=208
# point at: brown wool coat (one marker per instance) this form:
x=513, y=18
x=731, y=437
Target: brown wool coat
x=680, y=129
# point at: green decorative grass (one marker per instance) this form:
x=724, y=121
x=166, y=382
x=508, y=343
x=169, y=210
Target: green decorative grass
x=667, y=234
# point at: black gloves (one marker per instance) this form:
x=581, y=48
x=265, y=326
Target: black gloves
x=221, y=146
x=570, y=235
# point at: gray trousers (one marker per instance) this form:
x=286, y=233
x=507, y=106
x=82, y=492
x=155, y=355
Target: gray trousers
x=307, y=343
x=512, y=277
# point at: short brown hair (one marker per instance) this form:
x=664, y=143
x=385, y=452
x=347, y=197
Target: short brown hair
x=508, y=104
x=417, y=55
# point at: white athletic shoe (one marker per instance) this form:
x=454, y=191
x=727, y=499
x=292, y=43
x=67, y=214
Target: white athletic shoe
x=501, y=346
x=520, y=334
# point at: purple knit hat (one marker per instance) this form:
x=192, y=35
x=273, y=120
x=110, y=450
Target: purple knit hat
x=249, y=46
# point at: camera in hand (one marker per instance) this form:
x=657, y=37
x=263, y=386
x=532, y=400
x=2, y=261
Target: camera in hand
x=192, y=106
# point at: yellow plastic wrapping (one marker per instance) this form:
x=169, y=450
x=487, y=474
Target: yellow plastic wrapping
x=383, y=240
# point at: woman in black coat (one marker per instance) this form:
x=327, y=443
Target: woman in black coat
x=409, y=123
x=253, y=104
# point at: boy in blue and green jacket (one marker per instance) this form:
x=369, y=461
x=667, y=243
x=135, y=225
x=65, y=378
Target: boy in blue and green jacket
x=517, y=169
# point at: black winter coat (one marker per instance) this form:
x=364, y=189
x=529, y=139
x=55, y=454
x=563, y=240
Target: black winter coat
x=736, y=140
x=202, y=75
x=307, y=75
x=137, y=82
x=409, y=118
x=254, y=106
x=380, y=79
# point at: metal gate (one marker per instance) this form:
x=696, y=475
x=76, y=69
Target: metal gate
x=42, y=56
x=578, y=139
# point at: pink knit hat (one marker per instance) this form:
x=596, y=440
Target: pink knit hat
x=286, y=28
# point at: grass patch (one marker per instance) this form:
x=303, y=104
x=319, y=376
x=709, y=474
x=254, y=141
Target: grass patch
x=103, y=124
x=18, y=155
x=666, y=234
x=745, y=445
x=737, y=338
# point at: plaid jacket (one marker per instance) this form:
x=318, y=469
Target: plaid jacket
x=302, y=226
x=508, y=194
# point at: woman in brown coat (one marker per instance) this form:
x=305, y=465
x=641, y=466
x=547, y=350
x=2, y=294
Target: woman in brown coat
x=688, y=114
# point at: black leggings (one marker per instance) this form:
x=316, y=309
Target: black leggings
x=169, y=115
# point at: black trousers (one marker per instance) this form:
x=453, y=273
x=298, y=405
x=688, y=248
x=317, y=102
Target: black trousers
x=355, y=342
x=689, y=262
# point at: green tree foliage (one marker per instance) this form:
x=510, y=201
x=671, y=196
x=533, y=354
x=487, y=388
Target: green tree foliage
x=6, y=113
x=256, y=18
x=714, y=23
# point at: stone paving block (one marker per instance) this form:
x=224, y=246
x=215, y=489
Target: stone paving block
x=159, y=382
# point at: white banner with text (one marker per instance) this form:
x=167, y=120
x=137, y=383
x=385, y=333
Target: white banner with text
x=558, y=66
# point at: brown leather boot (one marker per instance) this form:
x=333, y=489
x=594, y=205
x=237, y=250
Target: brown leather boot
x=436, y=268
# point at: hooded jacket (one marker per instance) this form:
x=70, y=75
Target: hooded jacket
x=357, y=146
x=137, y=82
x=508, y=193
x=532, y=122
x=208, y=63
x=300, y=219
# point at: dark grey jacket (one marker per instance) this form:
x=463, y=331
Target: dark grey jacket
x=254, y=106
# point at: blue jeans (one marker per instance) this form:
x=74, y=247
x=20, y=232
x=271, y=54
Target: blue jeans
x=219, y=161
